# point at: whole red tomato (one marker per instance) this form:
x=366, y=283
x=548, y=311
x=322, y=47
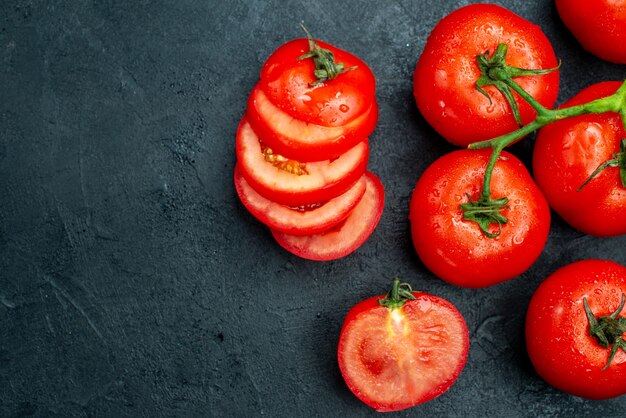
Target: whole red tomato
x=455, y=249
x=558, y=329
x=567, y=152
x=447, y=71
x=308, y=119
x=394, y=355
x=599, y=25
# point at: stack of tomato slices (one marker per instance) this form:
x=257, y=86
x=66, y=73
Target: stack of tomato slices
x=302, y=151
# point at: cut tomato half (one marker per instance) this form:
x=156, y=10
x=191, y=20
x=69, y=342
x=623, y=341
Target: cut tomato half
x=302, y=141
x=395, y=358
x=319, y=181
x=295, y=221
x=345, y=237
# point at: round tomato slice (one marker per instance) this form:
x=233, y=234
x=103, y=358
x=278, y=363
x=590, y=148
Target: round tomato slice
x=317, y=182
x=304, y=141
x=396, y=358
x=346, y=236
x=446, y=73
x=559, y=335
x=568, y=151
x=286, y=81
x=455, y=249
x=294, y=221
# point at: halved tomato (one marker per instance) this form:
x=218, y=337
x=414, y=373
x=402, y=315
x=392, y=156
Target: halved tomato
x=302, y=141
x=292, y=183
x=395, y=355
x=286, y=80
x=345, y=237
x=294, y=221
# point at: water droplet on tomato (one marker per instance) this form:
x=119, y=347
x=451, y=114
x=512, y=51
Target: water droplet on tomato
x=344, y=108
x=598, y=291
x=436, y=192
x=518, y=239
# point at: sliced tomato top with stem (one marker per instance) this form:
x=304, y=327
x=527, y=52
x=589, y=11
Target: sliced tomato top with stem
x=288, y=79
x=301, y=140
x=298, y=221
x=345, y=237
x=290, y=182
x=398, y=353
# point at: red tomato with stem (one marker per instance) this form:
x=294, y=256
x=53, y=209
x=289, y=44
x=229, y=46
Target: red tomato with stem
x=599, y=25
x=286, y=81
x=455, y=249
x=568, y=151
x=444, y=82
x=569, y=314
x=402, y=349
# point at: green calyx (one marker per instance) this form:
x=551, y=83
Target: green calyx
x=399, y=294
x=486, y=211
x=325, y=66
x=608, y=330
x=618, y=160
x=495, y=72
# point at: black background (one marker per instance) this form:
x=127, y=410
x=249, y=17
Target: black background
x=133, y=282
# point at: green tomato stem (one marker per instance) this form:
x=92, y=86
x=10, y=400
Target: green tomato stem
x=496, y=72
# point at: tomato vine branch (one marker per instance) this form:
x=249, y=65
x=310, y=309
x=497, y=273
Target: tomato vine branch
x=496, y=72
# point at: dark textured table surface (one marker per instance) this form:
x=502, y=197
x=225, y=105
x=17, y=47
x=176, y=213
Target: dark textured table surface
x=133, y=282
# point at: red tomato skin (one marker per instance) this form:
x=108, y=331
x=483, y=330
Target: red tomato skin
x=599, y=25
x=305, y=141
x=557, y=329
x=335, y=102
x=455, y=249
x=371, y=306
x=345, y=237
x=444, y=82
x=568, y=151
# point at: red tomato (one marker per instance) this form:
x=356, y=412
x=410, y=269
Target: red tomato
x=599, y=25
x=322, y=180
x=455, y=249
x=396, y=358
x=305, y=141
x=298, y=221
x=447, y=71
x=558, y=331
x=286, y=80
x=345, y=237
x=567, y=152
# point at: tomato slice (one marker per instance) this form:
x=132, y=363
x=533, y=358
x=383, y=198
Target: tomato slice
x=395, y=358
x=294, y=221
x=323, y=181
x=286, y=80
x=304, y=141
x=345, y=237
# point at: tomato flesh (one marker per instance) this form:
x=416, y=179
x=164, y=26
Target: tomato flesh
x=393, y=359
x=455, y=249
x=446, y=73
x=568, y=151
x=325, y=179
x=286, y=82
x=557, y=329
x=294, y=221
x=304, y=141
x=345, y=237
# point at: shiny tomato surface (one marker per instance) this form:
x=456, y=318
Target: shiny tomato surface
x=445, y=78
x=567, y=152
